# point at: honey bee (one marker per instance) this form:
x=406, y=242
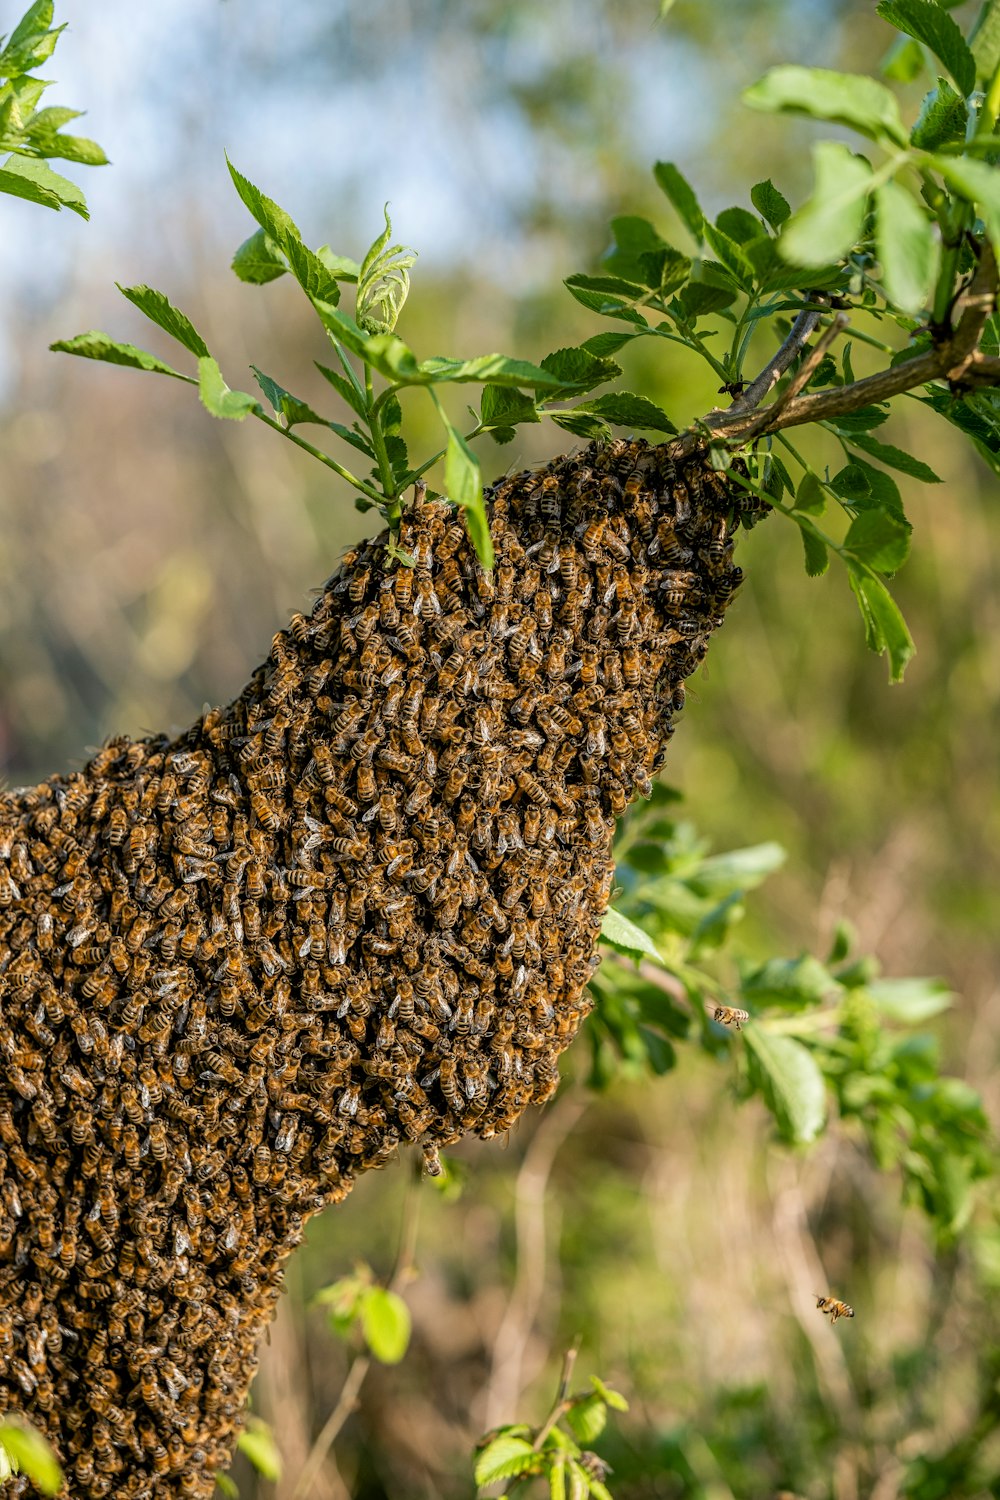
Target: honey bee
x=728, y=1015
x=833, y=1307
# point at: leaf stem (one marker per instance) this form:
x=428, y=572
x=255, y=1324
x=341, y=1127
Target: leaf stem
x=324, y=458
x=390, y=498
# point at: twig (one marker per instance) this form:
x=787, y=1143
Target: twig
x=956, y=359
x=754, y=393
x=362, y=1363
x=804, y=374
x=562, y=1403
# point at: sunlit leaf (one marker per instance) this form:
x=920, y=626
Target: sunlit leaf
x=791, y=1082
x=160, y=310
x=25, y=177
x=885, y=628
x=100, y=346
x=829, y=224
x=622, y=933
x=216, y=396
x=906, y=247
x=911, y=1001
x=33, y=1455
x=258, y=260
x=934, y=27
x=385, y=1323
x=879, y=538
x=503, y=1457
x=842, y=98
x=257, y=1443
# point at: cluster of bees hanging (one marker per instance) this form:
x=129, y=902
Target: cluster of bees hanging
x=357, y=908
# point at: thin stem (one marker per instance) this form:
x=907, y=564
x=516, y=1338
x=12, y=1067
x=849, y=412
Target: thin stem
x=772, y=372
x=390, y=499
x=562, y=1402
x=804, y=374
x=359, y=484
x=362, y=1363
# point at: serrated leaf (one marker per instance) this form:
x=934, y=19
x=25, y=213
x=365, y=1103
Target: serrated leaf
x=906, y=248
x=78, y=148
x=464, y=487
x=307, y=268
x=496, y=369
x=31, y=42
x=884, y=489
x=100, y=346
x=605, y=303
x=842, y=98
x=885, y=628
x=829, y=224
x=911, y=1001
x=739, y=225
x=285, y=404
x=346, y=389
x=732, y=256
x=627, y=410
x=817, y=558
x=383, y=282
x=385, y=1323
x=161, y=311
x=501, y=406
x=863, y=419
x=576, y=370
x=504, y=1457
x=622, y=933
x=582, y=425
x=850, y=483
x=33, y=1456
x=683, y=197
x=217, y=398
x=790, y=1081
x=699, y=298
x=258, y=260
x=942, y=118
x=880, y=539
x=26, y=177
x=895, y=458
x=340, y=266
x=769, y=203
x=587, y=1419
x=810, y=495
x=603, y=344
x=634, y=238
x=928, y=23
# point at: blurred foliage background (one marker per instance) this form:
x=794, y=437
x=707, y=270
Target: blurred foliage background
x=147, y=554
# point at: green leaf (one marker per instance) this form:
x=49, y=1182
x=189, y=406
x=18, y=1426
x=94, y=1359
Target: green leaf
x=503, y=1457
x=842, y=98
x=978, y=183
x=227, y=1487
x=810, y=496
x=880, y=539
x=627, y=410
x=25, y=177
x=682, y=196
x=942, y=118
x=286, y=405
x=608, y=1394
x=499, y=369
x=603, y=344
x=463, y=484
x=934, y=27
x=599, y=300
x=906, y=248
x=884, y=491
x=622, y=933
x=732, y=255
x=385, y=1323
x=502, y=406
x=817, y=558
x=699, y=298
x=587, y=1419
x=216, y=396
x=31, y=43
x=33, y=1455
x=635, y=239
x=383, y=282
x=257, y=1444
x=863, y=419
x=985, y=40
x=76, y=148
x=739, y=225
x=894, y=458
x=158, y=309
x=769, y=203
x=787, y=1075
x=258, y=260
x=576, y=370
x=829, y=224
x=885, y=628
x=903, y=62
x=340, y=266
x=790, y=981
x=307, y=268
x=582, y=425
x=346, y=389
x=851, y=483
x=96, y=345
x=911, y=1001
x=738, y=869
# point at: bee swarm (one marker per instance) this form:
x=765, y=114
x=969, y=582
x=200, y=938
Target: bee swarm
x=358, y=908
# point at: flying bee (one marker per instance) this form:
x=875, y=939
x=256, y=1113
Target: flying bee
x=729, y=1015
x=833, y=1308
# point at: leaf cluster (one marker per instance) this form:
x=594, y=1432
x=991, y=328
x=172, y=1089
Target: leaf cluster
x=31, y=135
x=824, y=1035
x=558, y=1452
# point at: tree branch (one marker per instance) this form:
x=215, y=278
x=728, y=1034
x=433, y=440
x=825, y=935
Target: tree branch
x=768, y=378
x=956, y=359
